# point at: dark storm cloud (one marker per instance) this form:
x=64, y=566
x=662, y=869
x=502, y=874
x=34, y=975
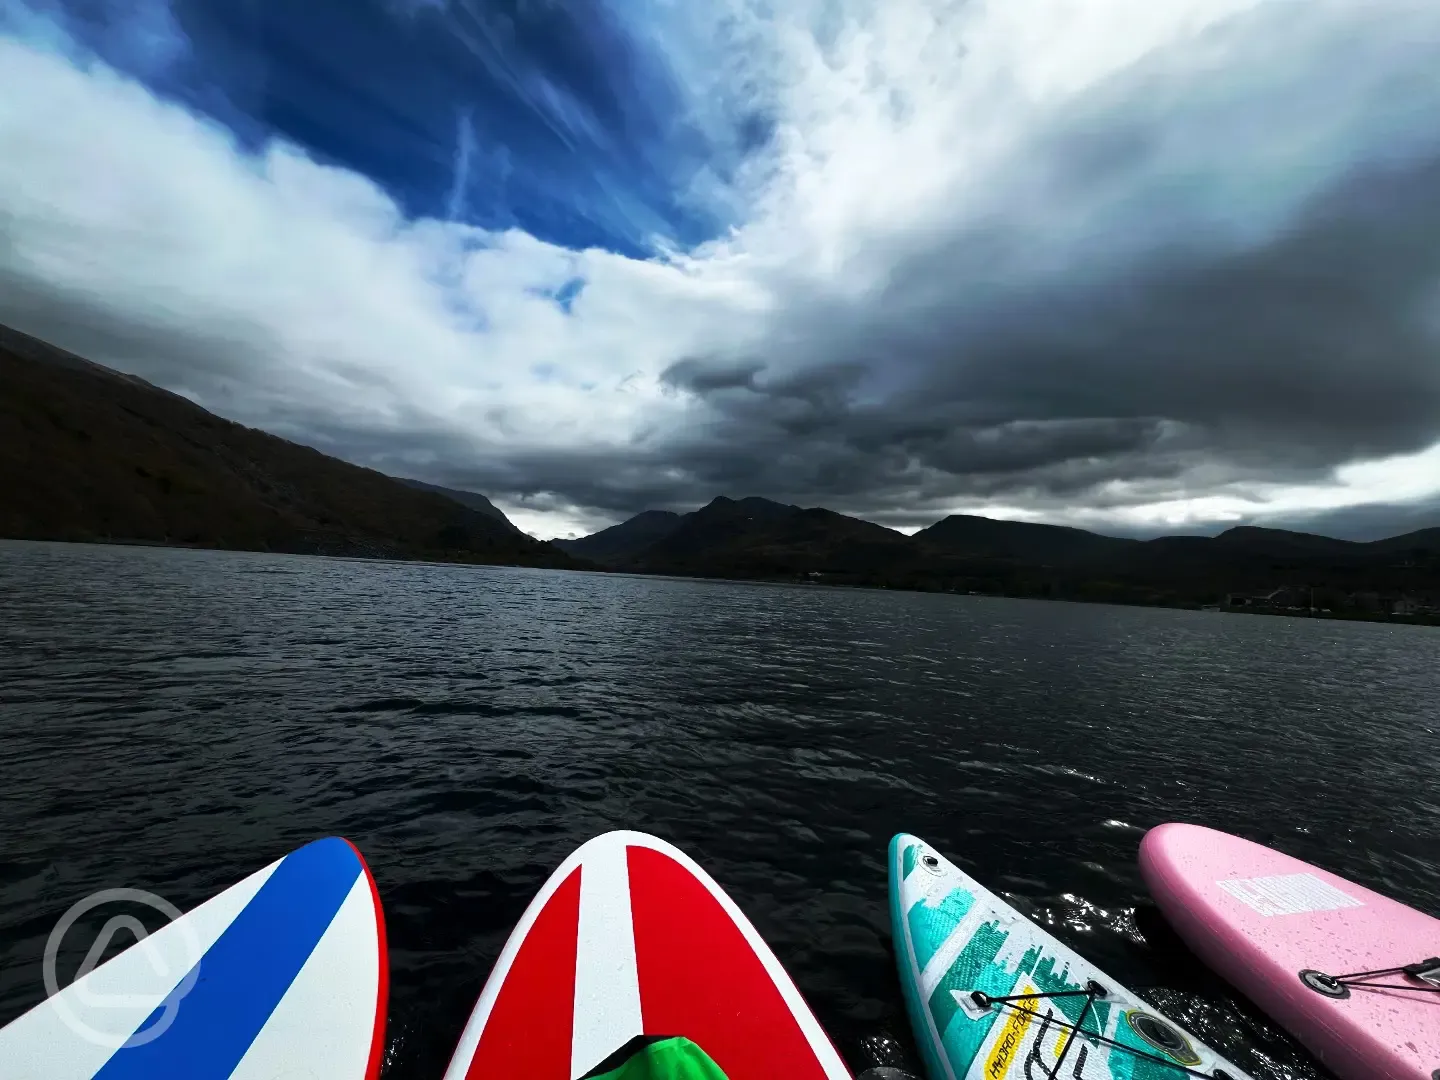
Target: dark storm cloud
x=1374, y=522
x=1277, y=362
x=701, y=377
x=1176, y=341
x=1281, y=359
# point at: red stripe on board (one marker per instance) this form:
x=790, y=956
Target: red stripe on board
x=382, y=997
x=700, y=978
x=528, y=1031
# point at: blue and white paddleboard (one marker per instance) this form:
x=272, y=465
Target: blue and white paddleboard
x=283, y=976
x=992, y=996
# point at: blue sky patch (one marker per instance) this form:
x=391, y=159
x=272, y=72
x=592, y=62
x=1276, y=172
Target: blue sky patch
x=552, y=118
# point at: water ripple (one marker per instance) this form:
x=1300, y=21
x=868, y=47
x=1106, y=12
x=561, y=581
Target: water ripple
x=173, y=720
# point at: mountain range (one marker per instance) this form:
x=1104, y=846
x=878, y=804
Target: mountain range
x=759, y=538
x=92, y=454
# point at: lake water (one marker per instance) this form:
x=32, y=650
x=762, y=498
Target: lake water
x=174, y=720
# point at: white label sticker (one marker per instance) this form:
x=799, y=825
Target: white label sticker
x=1288, y=894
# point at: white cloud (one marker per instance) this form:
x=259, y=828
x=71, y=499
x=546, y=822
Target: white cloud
x=1408, y=478
x=296, y=296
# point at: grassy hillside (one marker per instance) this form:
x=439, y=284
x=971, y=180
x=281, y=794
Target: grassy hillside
x=90, y=454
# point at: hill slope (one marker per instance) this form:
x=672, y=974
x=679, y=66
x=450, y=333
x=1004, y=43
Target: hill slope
x=786, y=542
x=1420, y=542
x=621, y=542
x=1021, y=541
x=705, y=532
x=91, y=454
x=472, y=499
x=1282, y=543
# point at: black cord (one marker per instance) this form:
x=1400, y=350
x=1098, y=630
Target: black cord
x=1098, y=991
x=1393, y=986
x=1417, y=970
x=1362, y=974
x=985, y=1001
x=1079, y=1026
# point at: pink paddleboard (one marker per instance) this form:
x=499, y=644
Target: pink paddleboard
x=1263, y=919
x=630, y=938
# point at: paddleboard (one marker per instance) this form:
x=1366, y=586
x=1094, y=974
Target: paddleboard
x=631, y=943
x=991, y=995
x=1280, y=930
x=282, y=976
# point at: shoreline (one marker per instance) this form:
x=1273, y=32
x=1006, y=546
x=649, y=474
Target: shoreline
x=460, y=559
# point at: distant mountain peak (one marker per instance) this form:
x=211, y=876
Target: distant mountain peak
x=1280, y=541
x=1263, y=530
x=752, y=504
x=624, y=541
x=1020, y=541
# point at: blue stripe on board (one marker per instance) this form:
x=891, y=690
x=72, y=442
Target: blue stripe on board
x=243, y=976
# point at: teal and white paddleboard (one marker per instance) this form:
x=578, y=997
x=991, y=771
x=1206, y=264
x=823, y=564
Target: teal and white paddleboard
x=992, y=996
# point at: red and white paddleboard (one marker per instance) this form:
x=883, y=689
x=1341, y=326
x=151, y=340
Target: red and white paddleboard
x=630, y=937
